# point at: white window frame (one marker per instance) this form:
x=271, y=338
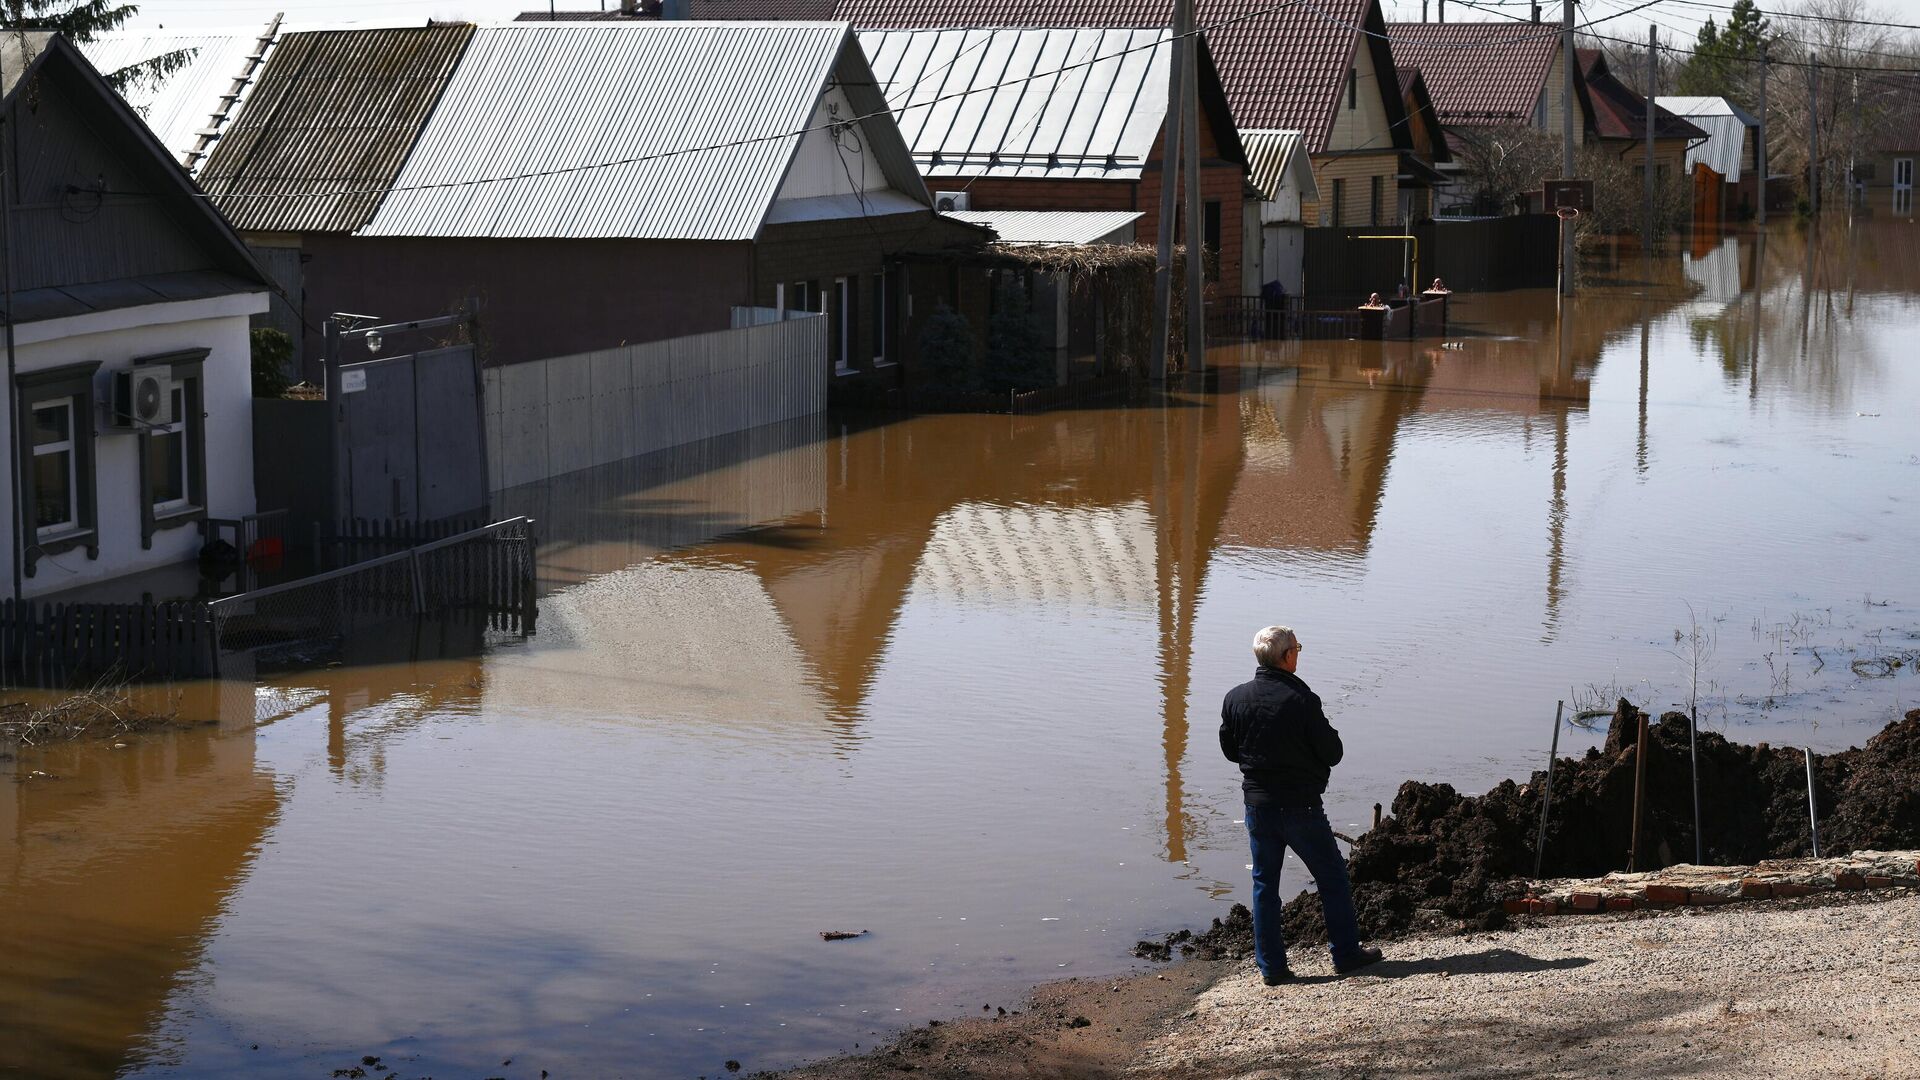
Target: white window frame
x=843, y=362
x=780, y=298
x=880, y=319
x=178, y=427
x=1898, y=163
x=72, y=448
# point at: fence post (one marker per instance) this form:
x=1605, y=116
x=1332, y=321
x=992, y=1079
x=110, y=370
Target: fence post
x=419, y=589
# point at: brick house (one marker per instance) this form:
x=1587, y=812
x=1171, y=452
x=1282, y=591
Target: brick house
x=406, y=170
x=965, y=101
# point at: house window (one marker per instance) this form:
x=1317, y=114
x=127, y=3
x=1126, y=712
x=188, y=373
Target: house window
x=879, y=309
x=1339, y=198
x=1902, y=173
x=173, y=485
x=1353, y=89
x=842, y=316
x=1376, y=185
x=56, y=470
x=53, y=420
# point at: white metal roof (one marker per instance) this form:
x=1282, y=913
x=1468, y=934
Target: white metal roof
x=661, y=130
x=1059, y=103
x=180, y=105
x=1275, y=160
x=1053, y=226
x=1726, y=126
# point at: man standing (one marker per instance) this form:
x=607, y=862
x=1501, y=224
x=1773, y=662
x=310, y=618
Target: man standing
x=1274, y=729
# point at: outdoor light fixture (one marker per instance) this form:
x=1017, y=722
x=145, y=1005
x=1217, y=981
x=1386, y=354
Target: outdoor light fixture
x=374, y=342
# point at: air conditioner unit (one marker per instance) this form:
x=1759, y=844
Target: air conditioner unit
x=143, y=398
x=948, y=201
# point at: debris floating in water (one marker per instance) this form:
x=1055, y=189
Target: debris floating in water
x=841, y=935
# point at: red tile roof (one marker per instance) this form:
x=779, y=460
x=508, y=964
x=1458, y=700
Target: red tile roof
x=1618, y=112
x=1479, y=73
x=1282, y=68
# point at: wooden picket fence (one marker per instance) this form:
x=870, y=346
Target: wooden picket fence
x=65, y=645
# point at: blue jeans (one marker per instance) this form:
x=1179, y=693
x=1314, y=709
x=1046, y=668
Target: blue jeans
x=1305, y=829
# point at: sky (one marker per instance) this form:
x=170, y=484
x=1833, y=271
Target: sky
x=1676, y=19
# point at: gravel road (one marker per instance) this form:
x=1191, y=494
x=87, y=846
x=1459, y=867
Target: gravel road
x=1815, y=991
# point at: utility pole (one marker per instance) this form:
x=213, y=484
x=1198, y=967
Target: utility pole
x=1169, y=180
x=1196, y=221
x=1653, y=74
x=1813, y=131
x=1760, y=146
x=1566, y=140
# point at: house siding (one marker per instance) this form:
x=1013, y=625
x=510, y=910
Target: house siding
x=1364, y=126
x=1357, y=170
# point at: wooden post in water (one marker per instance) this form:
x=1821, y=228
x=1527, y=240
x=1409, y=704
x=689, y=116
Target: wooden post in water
x=1813, y=809
x=1639, y=791
x=1376, y=815
x=1546, y=801
x=1693, y=752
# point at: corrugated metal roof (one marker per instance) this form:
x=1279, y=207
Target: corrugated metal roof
x=329, y=125
x=1726, y=126
x=1050, y=226
x=1479, y=73
x=679, y=130
x=180, y=105
x=1060, y=104
x=1283, y=66
x=1276, y=157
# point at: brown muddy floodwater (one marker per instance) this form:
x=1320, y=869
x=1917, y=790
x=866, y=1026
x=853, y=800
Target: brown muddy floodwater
x=953, y=680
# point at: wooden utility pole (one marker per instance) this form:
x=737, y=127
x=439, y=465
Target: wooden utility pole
x=1760, y=144
x=1196, y=220
x=1813, y=130
x=1169, y=181
x=1566, y=141
x=1653, y=74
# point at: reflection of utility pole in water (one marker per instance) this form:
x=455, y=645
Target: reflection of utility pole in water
x=1759, y=278
x=1640, y=443
x=1560, y=402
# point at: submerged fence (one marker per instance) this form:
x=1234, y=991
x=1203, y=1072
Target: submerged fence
x=481, y=579
x=53, y=644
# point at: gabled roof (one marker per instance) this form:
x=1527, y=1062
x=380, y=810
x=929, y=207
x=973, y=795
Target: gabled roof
x=1726, y=126
x=648, y=130
x=181, y=105
x=1024, y=102
x=1284, y=65
x=1479, y=73
x=1618, y=112
x=1419, y=100
x=215, y=264
x=329, y=125
x=1277, y=158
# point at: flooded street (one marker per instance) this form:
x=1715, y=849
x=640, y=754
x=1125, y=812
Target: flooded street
x=954, y=680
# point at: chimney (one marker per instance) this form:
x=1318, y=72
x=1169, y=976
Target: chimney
x=630, y=8
x=1536, y=13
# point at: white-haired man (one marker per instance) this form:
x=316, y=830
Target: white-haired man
x=1275, y=730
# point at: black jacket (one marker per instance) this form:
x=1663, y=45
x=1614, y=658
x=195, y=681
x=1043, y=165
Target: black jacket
x=1274, y=728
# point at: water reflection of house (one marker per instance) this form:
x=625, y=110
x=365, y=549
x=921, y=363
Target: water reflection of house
x=113, y=868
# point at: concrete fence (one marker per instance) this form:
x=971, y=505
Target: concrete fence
x=566, y=413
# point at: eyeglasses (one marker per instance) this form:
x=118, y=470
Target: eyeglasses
x=1297, y=646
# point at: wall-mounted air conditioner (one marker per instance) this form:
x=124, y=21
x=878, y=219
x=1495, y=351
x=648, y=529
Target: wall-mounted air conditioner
x=948, y=201
x=142, y=398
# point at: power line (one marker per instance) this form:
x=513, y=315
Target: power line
x=1679, y=49
x=1805, y=16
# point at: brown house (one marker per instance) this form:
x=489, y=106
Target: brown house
x=1057, y=119
x=1421, y=168
x=1619, y=118
x=404, y=171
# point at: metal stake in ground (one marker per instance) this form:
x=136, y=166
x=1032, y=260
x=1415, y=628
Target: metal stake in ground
x=1639, y=787
x=1540, y=843
x=1813, y=809
x=1693, y=751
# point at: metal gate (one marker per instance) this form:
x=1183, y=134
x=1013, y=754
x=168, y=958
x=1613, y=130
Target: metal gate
x=410, y=436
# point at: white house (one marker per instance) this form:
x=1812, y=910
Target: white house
x=128, y=412
x=1280, y=169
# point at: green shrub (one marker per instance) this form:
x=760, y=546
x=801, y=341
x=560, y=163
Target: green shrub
x=272, y=355
x=1017, y=354
x=946, y=353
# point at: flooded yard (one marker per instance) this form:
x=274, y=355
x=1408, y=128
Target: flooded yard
x=954, y=680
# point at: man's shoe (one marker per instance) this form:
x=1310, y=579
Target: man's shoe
x=1360, y=959
x=1284, y=975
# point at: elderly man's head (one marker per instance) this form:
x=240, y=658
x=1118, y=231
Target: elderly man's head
x=1277, y=647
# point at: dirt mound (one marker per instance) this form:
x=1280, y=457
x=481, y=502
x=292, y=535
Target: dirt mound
x=1446, y=860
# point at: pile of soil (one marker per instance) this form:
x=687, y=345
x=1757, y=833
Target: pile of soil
x=1445, y=861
